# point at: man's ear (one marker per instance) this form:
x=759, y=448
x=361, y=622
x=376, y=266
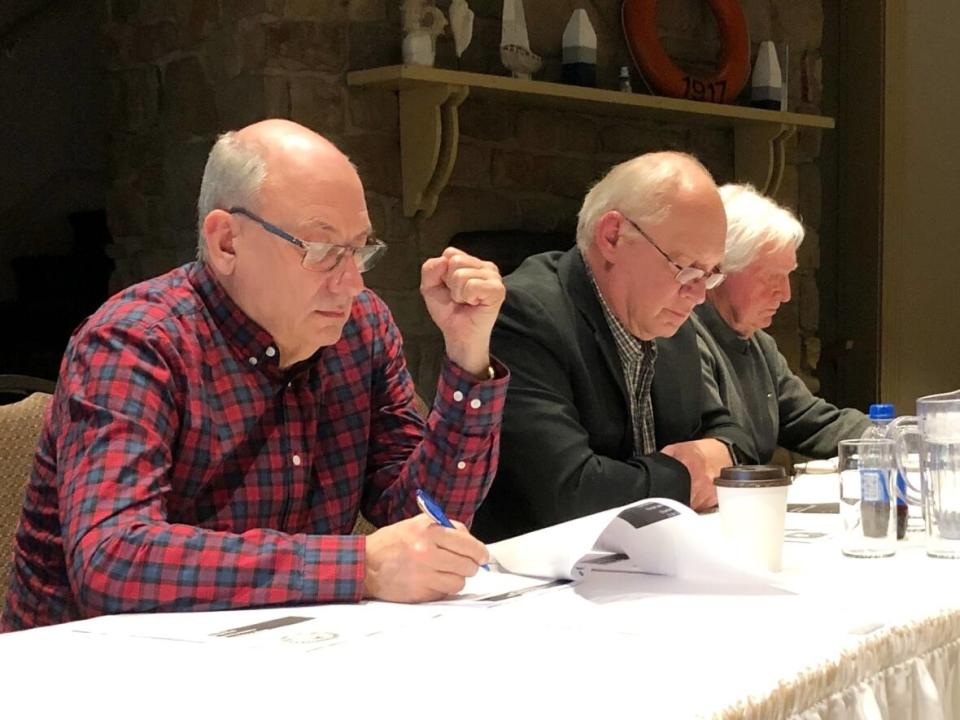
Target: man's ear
x=219, y=233
x=606, y=235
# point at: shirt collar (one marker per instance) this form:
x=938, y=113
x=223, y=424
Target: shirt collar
x=250, y=341
x=624, y=337
x=722, y=333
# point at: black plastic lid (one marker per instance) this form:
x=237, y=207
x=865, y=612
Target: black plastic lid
x=752, y=476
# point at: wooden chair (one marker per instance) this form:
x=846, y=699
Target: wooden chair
x=20, y=425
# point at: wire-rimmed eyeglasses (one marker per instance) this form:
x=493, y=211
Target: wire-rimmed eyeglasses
x=685, y=275
x=320, y=256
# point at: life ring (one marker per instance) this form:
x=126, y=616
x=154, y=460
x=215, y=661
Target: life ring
x=639, y=19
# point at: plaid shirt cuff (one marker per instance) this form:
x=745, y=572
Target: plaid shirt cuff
x=333, y=568
x=471, y=403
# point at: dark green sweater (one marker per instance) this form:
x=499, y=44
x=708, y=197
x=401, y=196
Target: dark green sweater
x=752, y=379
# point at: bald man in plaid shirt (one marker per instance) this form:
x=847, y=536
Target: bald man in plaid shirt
x=216, y=430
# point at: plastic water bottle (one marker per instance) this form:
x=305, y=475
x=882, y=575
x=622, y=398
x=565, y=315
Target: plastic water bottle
x=881, y=414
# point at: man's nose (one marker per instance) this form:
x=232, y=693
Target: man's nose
x=695, y=291
x=785, y=292
x=346, y=278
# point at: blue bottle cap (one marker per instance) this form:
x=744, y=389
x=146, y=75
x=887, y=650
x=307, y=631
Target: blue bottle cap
x=882, y=411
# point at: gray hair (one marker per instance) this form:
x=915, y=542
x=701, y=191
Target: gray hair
x=234, y=174
x=638, y=187
x=755, y=223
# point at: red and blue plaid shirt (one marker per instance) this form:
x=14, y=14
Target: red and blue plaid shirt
x=180, y=468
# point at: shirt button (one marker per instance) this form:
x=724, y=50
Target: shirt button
x=461, y=465
x=457, y=395
x=252, y=360
x=475, y=403
x=289, y=384
x=271, y=351
x=296, y=460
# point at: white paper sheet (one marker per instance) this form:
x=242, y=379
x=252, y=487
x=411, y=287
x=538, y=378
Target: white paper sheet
x=658, y=536
x=308, y=628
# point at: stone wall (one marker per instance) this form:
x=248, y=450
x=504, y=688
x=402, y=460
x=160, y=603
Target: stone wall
x=183, y=71
x=53, y=143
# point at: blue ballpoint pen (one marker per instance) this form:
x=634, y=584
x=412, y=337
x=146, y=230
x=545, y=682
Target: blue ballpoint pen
x=430, y=507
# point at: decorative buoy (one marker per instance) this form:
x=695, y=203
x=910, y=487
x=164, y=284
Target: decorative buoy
x=579, y=51
x=766, y=89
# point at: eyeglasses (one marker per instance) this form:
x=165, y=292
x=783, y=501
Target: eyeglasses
x=685, y=275
x=319, y=256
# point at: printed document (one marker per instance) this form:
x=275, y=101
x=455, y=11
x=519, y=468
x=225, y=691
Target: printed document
x=656, y=536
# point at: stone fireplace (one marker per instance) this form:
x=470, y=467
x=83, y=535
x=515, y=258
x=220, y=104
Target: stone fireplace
x=181, y=72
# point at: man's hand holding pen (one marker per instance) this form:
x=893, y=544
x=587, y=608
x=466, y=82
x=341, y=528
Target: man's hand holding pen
x=418, y=560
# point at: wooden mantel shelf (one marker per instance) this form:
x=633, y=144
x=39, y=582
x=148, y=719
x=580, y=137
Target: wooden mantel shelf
x=429, y=128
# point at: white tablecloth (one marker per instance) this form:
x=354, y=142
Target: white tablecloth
x=847, y=639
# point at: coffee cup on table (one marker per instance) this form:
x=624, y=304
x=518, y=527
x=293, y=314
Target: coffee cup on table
x=753, y=510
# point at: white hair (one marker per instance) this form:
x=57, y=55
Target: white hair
x=234, y=174
x=755, y=223
x=638, y=187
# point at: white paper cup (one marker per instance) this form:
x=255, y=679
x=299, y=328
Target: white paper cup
x=753, y=510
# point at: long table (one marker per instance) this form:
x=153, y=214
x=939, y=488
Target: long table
x=840, y=638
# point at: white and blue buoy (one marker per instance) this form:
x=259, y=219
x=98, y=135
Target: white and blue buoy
x=579, y=51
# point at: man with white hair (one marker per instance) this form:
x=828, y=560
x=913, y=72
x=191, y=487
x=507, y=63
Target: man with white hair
x=606, y=404
x=742, y=366
x=216, y=430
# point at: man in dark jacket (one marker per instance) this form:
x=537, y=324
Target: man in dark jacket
x=606, y=404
